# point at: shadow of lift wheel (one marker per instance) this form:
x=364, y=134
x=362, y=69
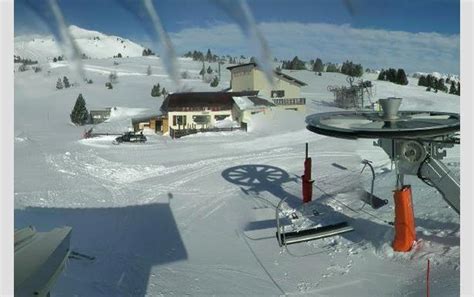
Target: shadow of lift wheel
x=253, y=175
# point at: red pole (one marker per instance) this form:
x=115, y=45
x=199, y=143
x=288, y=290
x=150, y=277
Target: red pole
x=307, y=182
x=428, y=279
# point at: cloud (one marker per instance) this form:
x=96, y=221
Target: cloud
x=372, y=48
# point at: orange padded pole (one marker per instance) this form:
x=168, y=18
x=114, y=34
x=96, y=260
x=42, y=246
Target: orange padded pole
x=405, y=234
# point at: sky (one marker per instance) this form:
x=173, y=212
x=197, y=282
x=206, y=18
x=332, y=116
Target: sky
x=376, y=33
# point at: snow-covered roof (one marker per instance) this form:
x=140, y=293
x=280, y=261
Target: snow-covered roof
x=251, y=102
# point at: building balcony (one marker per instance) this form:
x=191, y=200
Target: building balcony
x=289, y=101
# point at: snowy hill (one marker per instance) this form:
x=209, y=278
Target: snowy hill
x=92, y=43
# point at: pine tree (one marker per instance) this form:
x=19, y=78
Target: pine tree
x=113, y=77
x=318, y=65
x=401, y=77
x=381, y=75
x=203, y=70
x=55, y=59
x=59, y=84
x=66, y=82
x=458, y=91
x=422, y=81
x=209, y=55
x=441, y=86
x=209, y=70
x=215, y=82
x=164, y=93
x=79, y=114
x=452, y=89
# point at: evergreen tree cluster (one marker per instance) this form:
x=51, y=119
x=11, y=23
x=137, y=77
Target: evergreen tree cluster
x=18, y=59
x=432, y=83
x=156, y=91
x=59, y=58
x=119, y=55
x=295, y=64
x=232, y=60
x=396, y=76
x=330, y=67
x=352, y=69
x=147, y=52
x=199, y=56
x=79, y=114
x=23, y=67
x=64, y=83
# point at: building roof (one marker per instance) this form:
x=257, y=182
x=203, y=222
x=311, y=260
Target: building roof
x=242, y=65
x=201, y=100
x=290, y=78
x=257, y=101
x=277, y=73
x=145, y=118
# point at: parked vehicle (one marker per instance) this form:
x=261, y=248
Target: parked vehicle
x=131, y=137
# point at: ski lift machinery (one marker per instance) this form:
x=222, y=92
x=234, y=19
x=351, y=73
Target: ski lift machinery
x=415, y=141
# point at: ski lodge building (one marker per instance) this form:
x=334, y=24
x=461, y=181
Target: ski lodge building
x=187, y=113
x=285, y=93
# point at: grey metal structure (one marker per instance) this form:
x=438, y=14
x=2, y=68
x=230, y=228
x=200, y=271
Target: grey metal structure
x=285, y=238
x=415, y=140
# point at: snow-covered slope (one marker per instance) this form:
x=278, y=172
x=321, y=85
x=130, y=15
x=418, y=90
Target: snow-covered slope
x=92, y=43
x=195, y=216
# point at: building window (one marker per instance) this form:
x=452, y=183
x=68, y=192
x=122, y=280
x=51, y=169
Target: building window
x=179, y=120
x=278, y=94
x=201, y=119
x=221, y=117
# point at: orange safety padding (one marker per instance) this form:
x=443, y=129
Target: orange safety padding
x=405, y=234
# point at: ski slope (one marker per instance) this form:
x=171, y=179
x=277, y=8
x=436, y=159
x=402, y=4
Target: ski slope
x=92, y=43
x=171, y=218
